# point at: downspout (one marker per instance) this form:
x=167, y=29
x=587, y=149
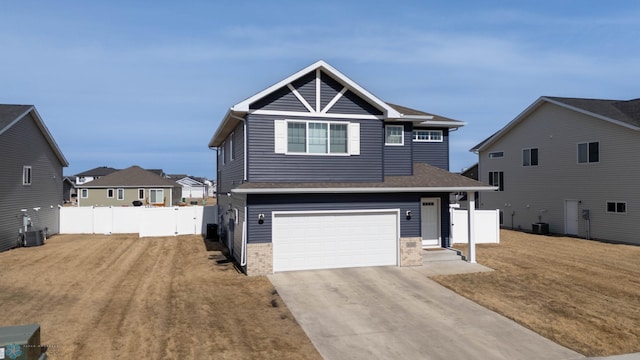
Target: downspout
x=243, y=248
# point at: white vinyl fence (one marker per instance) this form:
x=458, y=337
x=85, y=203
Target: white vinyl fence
x=487, y=226
x=169, y=221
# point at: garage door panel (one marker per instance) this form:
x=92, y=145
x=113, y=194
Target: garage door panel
x=334, y=240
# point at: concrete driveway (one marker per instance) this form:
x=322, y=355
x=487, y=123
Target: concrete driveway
x=399, y=313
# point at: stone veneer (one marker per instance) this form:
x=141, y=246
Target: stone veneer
x=259, y=259
x=411, y=251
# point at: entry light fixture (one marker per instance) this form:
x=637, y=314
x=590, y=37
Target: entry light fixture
x=408, y=214
x=260, y=218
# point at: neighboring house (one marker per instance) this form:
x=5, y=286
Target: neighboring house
x=69, y=191
x=461, y=198
x=93, y=174
x=30, y=174
x=123, y=187
x=316, y=172
x=569, y=163
x=192, y=187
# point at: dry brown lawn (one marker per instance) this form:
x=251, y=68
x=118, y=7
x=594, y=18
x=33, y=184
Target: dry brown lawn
x=582, y=294
x=111, y=297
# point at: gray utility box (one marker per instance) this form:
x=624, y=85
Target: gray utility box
x=21, y=342
x=34, y=238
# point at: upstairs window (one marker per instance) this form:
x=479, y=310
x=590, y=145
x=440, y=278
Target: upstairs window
x=427, y=135
x=496, y=178
x=317, y=137
x=588, y=152
x=496, y=154
x=530, y=157
x=394, y=135
x=232, y=154
x=26, y=175
x=221, y=153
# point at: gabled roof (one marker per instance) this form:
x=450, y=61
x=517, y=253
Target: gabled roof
x=389, y=111
x=425, y=178
x=133, y=176
x=99, y=171
x=188, y=181
x=625, y=113
x=12, y=114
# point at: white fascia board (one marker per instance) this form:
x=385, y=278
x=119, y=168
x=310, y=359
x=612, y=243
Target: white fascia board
x=362, y=190
x=243, y=106
x=219, y=136
x=315, y=115
x=449, y=124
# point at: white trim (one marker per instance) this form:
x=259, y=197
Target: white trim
x=606, y=207
x=321, y=115
x=578, y=153
x=438, y=204
x=413, y=136
x=334, y=100
x=112, y=191
x=84, y=193
x=318, y=89
x=495, y=152
x=300, y=98
x=243, y=106
x=143, y=194
x=27, y=175
x=118, y=191
x=360, y=190
x=157, y=189
x=385, y=135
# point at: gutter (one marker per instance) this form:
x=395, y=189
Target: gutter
x=361, y=190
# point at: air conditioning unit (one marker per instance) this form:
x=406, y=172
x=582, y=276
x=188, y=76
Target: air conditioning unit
x=21, y=342
x=34, y=238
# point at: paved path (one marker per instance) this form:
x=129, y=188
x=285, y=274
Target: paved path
x=399, y=313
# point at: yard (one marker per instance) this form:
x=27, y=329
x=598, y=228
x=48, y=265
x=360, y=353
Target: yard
x=110, y=297
x=584, y=295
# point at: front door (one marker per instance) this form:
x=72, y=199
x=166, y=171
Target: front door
x=430, y=222
x=571, y=217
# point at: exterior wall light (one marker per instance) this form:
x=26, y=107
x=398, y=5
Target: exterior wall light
x=260, y=218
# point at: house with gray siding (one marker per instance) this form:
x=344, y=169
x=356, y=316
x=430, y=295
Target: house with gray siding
x=30, y=174
x=316, y=172
x=570, y=163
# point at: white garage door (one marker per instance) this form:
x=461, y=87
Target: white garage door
x=325, y=240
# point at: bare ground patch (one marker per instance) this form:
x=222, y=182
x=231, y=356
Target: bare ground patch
x=111, y=297
x=584, y=295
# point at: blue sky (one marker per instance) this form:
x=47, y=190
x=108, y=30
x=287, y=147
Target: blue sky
x=122, y=83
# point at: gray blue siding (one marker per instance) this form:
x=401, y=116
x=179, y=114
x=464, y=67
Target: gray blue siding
x=329, y=88
x=231, y=174
x=351, y=103
x=306, y=87
x=267, y=166
x=24, y=145
x=433, y=153
x=398, y=160
x=266, y=204
x=280, y=99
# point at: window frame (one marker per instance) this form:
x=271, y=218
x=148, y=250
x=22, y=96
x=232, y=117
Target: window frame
x=528, y=161
x=110, y=193
x=84, y=193
x=120, y=194
x=616, y=205
x=231, y=154
x=429, y=135
x=386, y=135
x=588, y=154
x=156, y=190
x=328, y=139
x=494, y=155
x=496, y=178
x=27, y=175
x=141, y=191
x=222, y=160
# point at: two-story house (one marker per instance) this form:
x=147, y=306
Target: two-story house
x=30, y=175
x=316, y=172
x=93, y=174
x=569, y=163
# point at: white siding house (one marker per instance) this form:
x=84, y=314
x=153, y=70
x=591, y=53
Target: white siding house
x=571, y=163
